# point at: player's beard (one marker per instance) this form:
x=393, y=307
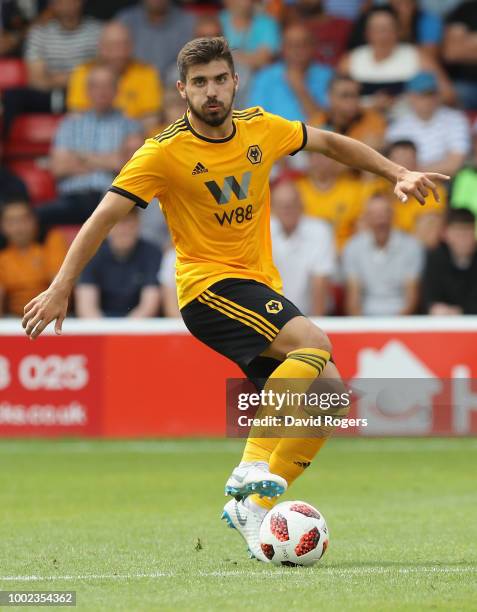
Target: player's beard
x=212, y=118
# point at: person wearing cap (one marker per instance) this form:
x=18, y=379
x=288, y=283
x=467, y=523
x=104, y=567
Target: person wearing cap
x=441, y=134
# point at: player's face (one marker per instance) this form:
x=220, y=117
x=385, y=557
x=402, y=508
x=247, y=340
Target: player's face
x=210, y=90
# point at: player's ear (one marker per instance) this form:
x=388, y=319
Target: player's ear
x=181, y=89
x=236, y=81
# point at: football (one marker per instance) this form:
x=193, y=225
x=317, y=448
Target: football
x=294, y=533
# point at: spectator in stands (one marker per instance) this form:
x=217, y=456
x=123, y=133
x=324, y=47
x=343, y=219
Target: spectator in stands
x=121, y=279
x=450, y=275
x=12, y=28
x=53, y=49
x=106, y=9
x=416, y=25
x=349, y=9
x=29, y=262
x=89, y=149
x=159, y=30
x=460, y=52
x=303, y=251
x=381, y=266
x=330, y=33
x=255, y=38
x=441, y=134
x=424, y=222
x=208, y=26
x=295, y=88
x=346, y=116
x=139, y=93
x=440, y=7
x=331, y=192
x=167, y=280
x=463, y=192
x=11, y=187
x=384, y=65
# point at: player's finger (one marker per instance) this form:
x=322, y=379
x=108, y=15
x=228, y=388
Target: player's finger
x=418, y=195
x=423, y=189
x=32, y=323
x=59, y=324
x=399, y=193
x=31, y=304
x=39, y=328
x=433, y=188
x=437, y=176
x=28, y=317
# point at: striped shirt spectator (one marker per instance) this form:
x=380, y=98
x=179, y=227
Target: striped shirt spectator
x=89, y=149
x=62, y=49
x=441, y=134
x=93, y=133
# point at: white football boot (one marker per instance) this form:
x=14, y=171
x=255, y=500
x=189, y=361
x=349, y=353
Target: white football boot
x=254, y=477
x=247, y=523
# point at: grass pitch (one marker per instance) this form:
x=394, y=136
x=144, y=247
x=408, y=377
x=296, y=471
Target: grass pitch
x=135, y=526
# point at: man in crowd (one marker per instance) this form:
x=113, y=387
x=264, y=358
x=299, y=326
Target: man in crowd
x=255, y=38
x=425, y=222
x=441, y=134
x=346, y=116
x=139, y=93
x=450, y=275
x=88, y=150
x=329, y=191
x=52, y=50
x=29, y=262
x=158, y=29
x=460, y=51
x=381, y=265
x=303, y=251
x=295, y=88
x=121, y=279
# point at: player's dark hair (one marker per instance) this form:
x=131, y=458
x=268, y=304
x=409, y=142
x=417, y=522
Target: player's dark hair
x=203, y=51
x=460, y=215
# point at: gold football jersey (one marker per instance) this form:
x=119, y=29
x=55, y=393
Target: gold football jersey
x=215, y=196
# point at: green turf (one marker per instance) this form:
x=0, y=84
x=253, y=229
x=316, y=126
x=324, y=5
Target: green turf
x=135, y=526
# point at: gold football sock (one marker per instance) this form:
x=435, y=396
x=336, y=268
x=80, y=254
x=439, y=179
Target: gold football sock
x=296, y=374
x=290, y=459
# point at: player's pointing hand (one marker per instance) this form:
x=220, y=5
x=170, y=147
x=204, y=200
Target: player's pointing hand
x=46, y=307
x=418, y=184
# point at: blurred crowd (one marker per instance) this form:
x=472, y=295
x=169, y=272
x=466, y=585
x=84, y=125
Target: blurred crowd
x=82, y=83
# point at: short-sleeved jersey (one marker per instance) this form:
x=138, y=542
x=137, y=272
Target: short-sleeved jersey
x=215, y=196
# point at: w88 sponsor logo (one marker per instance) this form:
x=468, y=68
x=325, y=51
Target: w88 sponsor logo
x=236, y=215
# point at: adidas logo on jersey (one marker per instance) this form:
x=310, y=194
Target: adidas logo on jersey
x=199, y=169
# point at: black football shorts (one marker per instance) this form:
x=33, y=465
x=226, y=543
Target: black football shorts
x=239, y=318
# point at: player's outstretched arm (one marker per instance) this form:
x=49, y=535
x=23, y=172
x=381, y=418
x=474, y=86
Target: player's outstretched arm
x=358, y=155
x=52, y=304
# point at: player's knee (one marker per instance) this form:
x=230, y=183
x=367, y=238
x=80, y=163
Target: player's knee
x=316, y=338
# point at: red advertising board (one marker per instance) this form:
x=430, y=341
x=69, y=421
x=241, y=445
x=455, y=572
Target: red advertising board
x=151, y=378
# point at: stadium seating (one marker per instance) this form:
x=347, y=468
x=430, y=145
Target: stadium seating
x=31, y=135
x=39, y=181
x=13, y=73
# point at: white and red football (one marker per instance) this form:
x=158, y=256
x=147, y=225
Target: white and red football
x=294, y=533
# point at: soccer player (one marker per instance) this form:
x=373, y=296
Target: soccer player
x=210, y=172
